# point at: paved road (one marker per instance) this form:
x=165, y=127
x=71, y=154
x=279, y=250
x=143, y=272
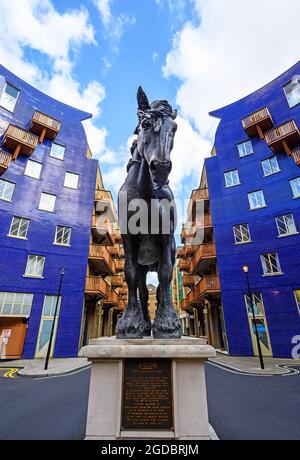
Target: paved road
x=52, y=408
x=240, y=407
x=253, y=407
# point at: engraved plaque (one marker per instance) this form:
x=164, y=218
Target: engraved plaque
x=147, y=395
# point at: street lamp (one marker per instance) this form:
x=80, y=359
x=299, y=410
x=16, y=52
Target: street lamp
x=62, y=274
x=246, y=271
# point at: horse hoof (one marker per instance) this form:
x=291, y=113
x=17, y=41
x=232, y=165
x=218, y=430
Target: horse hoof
x=167, y=326
x=132, y=325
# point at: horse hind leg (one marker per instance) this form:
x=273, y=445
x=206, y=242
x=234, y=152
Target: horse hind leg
x=132, y=323
x=144, y=297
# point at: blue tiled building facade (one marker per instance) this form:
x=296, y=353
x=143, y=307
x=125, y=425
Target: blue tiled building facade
x=47, y=187
x=254, y=188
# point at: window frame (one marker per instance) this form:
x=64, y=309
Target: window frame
x=25, y=295
x=16, y=100
x=269, y=160
x=56, y=232
x=46, y=210
x=14, y=187
x=17, y=236
x=235, y=236
x=247, y=299
x=60, y=145
x=258, y=207
x=230, y=172
x=243, y=143
x=286, y=94
x=263, y=259
x=296, y=299
x=68, y=174
x=293, y=180
x=29, y=161
x=30, y=275
x=286, y=234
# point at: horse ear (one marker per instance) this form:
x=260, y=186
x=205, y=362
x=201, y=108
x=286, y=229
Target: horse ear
x=142, y=100
x=174, y=114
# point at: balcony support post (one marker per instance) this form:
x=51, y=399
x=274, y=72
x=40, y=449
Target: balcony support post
x=260, y=133
x=16, y=152
x=287, y=148
x=42, y=136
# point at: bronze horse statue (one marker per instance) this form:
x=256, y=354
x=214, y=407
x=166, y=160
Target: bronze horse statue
x=148, y=245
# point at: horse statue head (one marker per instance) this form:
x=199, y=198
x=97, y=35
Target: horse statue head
x=156, y=131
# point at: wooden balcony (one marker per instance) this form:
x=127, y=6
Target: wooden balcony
x=204, y=256
x=95, y=285
x=44, y=126
x=113, y=300
x=200, y=194
x=114, y=251
x=296, y=156
x=120, y=265
x=117, y=281
x=117, y=235
x=188, y=281
x=184, y=265
x=122, y=252
x=124, y=291
x=187, y=233
x=190, y=250
x=208, y=285
x=102, y=195
x=19, y=141
x=284, y=137
x=258, y=123
x=103, y=232
x=204, y=221
x=5, y=159
x=184, y=305
x=101, y=260
x=181, y=254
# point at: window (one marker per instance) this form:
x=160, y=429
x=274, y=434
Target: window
x=286, y=225
x=47, y=202
x=35, y=266
x=57, y=151
x=245, y=149
x=71, y=180
x=232, y=178
x=33, y=169
x=257, y=304
x=270, y=264
x=19, y=227
x=50, y=305
x=241, y=234
x=9, y=97
x=14, y=304
x=297, y=297
x=292, y=92
x=270, y=166
x=295, y=184
x=257, y=200
x=63, y=236
x=6, y=190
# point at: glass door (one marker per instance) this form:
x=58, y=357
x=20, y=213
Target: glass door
x=261, y=323
x=46, y=327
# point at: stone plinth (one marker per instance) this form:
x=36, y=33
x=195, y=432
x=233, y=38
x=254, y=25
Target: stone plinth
x=179, y=396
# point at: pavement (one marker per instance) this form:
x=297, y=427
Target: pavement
x=250, y=366
x=35, y=367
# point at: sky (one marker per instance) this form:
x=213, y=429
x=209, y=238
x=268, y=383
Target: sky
x=198, y=54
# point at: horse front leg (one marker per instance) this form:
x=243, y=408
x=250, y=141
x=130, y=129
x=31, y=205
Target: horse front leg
x=132, y=323
x=166, y=324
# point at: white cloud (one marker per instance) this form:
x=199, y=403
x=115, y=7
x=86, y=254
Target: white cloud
x=233, y=50
x=114, y=25
x=40, y=27
x=190, y=148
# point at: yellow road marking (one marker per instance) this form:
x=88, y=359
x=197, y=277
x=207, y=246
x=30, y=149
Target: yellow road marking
x=10, y=372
